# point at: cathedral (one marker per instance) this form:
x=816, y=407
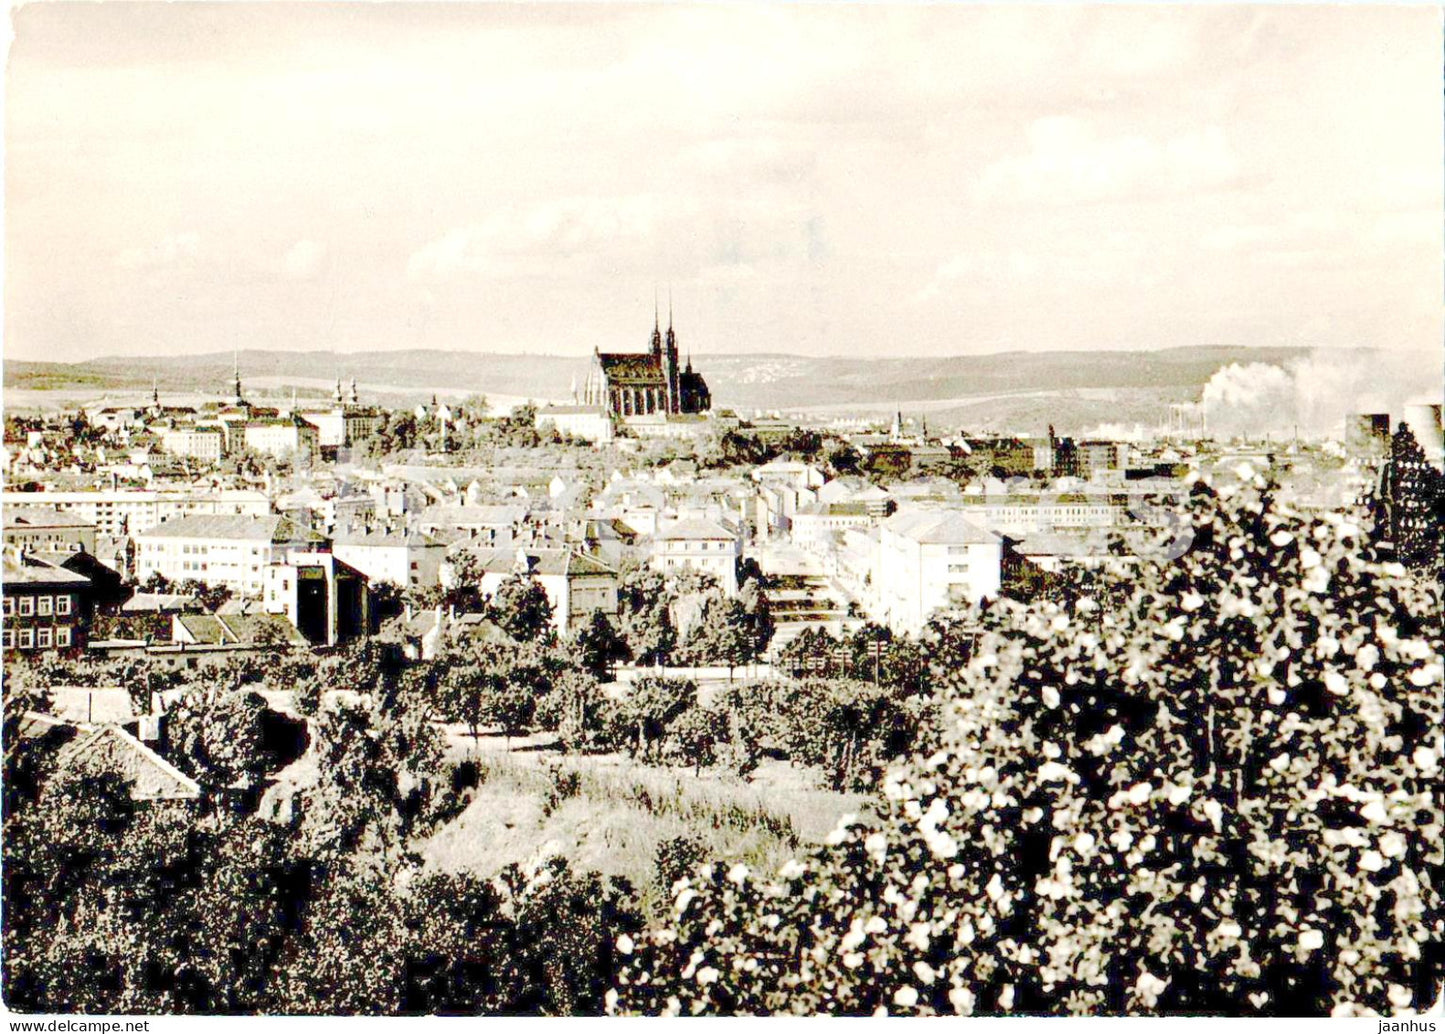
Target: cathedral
x=639, y=383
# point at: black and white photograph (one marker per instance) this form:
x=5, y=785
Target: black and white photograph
x=738, y=509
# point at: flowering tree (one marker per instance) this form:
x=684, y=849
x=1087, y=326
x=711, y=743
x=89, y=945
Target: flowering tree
x=1215, y=795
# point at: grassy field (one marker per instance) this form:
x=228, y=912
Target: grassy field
x=610, y=814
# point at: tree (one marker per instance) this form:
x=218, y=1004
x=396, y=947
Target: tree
x=649, y=709
x=599, y=648
x=644, y=617
x=221, y=737
x=1414, y=501
x=210, y=596
x=578, y=711
x=1218, y=796
x=521, y=607
x=694, y=738
x=758, y=624
x=720, y=635
x=463, y=589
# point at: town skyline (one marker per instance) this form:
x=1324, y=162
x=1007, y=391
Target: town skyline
x=820, y=181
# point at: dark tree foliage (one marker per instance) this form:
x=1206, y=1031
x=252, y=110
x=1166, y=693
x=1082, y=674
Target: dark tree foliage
x=521, y=608
x=1414, y=500
x=599, y=647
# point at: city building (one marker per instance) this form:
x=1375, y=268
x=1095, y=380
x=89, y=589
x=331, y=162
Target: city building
x=627, y=384
x=701, y=545
x=590, y=422
x=281, y=436
x=347, y=422
x=45, y=607
x=576, y=585
x=487, y=525
x=202, y=442
x=326, y=599
x=121, y=511
x=232, y=552
x=37, y=529
x=929, y=560
x=401, y=558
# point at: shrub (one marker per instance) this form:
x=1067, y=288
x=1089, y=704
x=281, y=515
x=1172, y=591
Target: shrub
x=1217, y=796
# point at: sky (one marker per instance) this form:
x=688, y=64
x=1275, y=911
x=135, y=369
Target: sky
x=840, y=179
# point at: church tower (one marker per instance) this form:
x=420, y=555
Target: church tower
x=670, y=366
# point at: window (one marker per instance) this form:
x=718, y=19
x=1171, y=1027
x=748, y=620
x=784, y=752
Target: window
x=27, y=606
x=44, y=605
x=7, y=639
x=62, y=636
x=9, y=606
x=42, y=638
x=27, y=639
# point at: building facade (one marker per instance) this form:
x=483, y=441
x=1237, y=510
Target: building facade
x=576, y=585
x=128, y=512
x=401, y=558
x=930, y=560
x=231, y=552
x=702, y=545
x=626, y=384
x=45, y=607
x=46, y=530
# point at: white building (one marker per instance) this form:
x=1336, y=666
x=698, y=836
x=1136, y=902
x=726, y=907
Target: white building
x=404, y=559
x=130, y=511
x=702, y=545
x=589, y=422
x=491, y=525
x=928, y=560
x=281, y=436
x=201, y=442
x=232, y=552
x=325, y=598
x=576, y=585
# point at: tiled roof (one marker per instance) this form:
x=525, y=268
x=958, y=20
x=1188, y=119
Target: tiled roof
x=41, y=574
x=627, y=368
x=938, y=527
x=390, y=539
x=91, y=704
x=694, y=528
x=544, y=561
x=271, y=528
x=37, y=517
x=112, y=749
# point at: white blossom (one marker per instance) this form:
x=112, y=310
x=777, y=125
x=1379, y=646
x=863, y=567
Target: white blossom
x=1309, y=940
x=962, y=1001
x=625, y=945
x=905, y=996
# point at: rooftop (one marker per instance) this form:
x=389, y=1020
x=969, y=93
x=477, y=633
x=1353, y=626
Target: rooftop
x=271, y=528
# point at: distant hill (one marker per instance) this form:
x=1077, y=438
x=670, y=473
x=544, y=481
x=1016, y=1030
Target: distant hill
x=1091, y=387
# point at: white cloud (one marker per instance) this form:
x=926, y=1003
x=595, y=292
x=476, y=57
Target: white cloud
x=177, y=249
x=1069, y=163
x=303, y=260
x=514, y=239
